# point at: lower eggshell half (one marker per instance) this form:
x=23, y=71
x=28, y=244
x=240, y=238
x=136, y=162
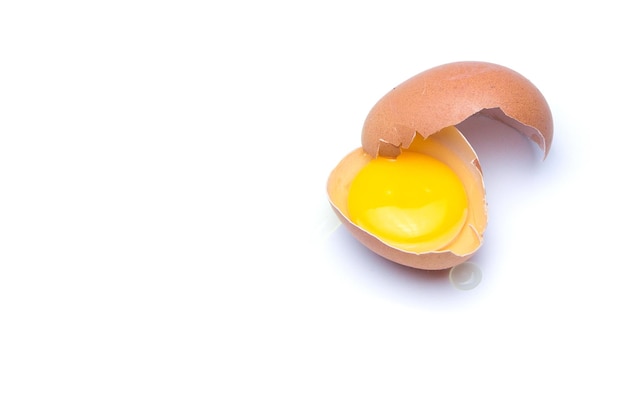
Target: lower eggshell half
x=448, y=146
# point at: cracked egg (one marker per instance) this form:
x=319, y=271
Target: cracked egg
x=414, y=192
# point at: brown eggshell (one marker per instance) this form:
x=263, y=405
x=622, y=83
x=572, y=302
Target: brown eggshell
x=428, y=106
x=448, y=146
x=448, y=94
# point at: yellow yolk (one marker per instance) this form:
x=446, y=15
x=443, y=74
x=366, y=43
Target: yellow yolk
x=414, y=202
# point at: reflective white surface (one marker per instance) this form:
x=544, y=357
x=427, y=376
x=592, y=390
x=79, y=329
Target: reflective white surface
x=166, y=247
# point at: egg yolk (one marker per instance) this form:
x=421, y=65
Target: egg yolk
x=414, y=202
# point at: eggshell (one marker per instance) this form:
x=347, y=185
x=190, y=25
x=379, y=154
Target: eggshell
x=420, y=115
x=448, y=94
x=449, y=146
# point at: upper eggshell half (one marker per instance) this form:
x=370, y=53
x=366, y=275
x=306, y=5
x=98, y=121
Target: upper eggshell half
x=448, y=94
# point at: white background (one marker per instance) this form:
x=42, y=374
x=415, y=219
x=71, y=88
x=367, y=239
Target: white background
x=166, y=246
